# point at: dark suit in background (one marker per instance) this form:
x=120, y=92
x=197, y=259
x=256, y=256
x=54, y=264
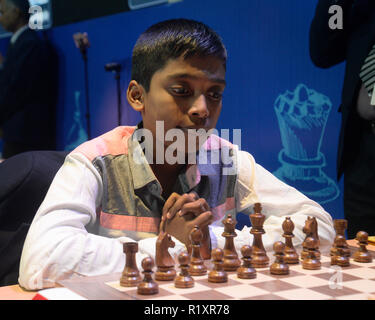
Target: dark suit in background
x=28, y=95
x=25, y=179
x=356, y=150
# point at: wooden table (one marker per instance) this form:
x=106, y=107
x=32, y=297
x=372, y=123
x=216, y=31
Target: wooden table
x=15, y=292
x=91, y=287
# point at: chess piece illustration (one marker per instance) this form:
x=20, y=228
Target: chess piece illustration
x=130, y=276
x=77, y=133
x=231, y=260
x=302, y=116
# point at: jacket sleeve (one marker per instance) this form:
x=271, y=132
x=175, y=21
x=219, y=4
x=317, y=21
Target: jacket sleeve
x=62, y=241
x=278, y=200
x=327, y=46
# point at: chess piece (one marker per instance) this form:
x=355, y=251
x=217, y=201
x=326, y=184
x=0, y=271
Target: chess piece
x=290, y=253
x=340, y=226
x=231, y=260
x=311, y=230
x=246, y=271
x=197, y=267
x=217, y=274
x=164, y=261
x=259, y=255
x=148, y=286
x=311, y=262
x=178, y=226
x=184, y=279
x=279, y=267
x=362, y=255
x=339, y=256
x=130, y=276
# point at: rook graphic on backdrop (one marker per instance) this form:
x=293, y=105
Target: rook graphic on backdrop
x=302, y=116
x=77, y=133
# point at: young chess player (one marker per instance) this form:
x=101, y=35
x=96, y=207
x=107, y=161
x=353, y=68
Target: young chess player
x=118, y=187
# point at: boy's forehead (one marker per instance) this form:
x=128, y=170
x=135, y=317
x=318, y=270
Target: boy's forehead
x=195, y=67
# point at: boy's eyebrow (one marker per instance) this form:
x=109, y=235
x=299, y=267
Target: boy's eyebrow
x=191, y=76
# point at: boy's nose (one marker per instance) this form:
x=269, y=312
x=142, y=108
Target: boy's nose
x=200, y=108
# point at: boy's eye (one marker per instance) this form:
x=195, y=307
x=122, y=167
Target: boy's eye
x=179, y=90
x=215, y=95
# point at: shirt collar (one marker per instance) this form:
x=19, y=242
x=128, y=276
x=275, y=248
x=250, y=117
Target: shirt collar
x=17, y=34
x=143, y=174
x=140, y=168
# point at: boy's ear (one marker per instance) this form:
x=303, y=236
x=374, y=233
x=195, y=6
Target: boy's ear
x=135, y=95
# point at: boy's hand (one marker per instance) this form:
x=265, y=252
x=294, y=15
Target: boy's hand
x=186, y=212
x=184, y=204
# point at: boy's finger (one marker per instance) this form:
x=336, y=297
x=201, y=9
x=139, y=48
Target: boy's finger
x=162, y=224
x=194, y=195
x=178, y=204
x=203, y=219
x=170, y=202
x=196, y=207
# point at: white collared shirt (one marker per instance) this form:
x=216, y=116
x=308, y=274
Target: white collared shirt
x=17, y=34
x=64, y=239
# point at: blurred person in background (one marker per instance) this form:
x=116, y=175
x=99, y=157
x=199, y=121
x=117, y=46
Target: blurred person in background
x=354, y=44
x=28, y=85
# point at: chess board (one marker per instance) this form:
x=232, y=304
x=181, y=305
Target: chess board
x=356, y=282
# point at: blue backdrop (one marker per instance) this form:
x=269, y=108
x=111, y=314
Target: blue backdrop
x=284, y=105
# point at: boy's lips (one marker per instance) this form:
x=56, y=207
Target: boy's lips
x=193, y=128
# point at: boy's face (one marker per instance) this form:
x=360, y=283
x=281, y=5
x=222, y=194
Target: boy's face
x=185, y=94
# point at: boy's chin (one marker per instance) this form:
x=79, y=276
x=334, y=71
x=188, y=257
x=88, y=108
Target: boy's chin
x=183, y=148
